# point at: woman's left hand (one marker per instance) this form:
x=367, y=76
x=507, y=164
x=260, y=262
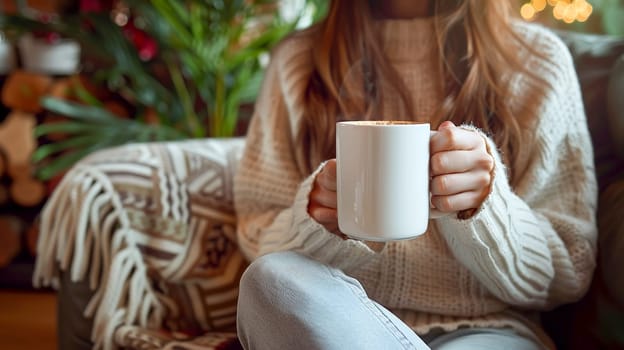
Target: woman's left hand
x=461, y=168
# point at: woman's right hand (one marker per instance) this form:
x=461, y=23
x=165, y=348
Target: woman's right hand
x=323, y=199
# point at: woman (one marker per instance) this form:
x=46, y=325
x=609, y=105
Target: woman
x=512, y=162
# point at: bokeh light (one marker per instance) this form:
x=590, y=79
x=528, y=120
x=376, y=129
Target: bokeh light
x=568, y=11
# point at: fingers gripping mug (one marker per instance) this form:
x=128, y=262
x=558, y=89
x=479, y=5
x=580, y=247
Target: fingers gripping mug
x=383, y=179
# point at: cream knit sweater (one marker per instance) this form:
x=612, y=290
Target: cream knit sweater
x=530, y=247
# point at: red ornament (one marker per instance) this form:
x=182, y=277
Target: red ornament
x=47, y=37
x=52, y=37
x=146, y=46
x=148, y=50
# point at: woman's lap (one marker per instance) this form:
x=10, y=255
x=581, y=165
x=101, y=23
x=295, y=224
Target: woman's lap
x=318, y=307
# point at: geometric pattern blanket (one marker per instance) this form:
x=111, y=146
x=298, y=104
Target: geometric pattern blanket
x=151, y=227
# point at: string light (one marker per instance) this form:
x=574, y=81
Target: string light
x=568, y=11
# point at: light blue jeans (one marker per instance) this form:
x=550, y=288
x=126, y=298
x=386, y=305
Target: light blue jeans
x=289, y=301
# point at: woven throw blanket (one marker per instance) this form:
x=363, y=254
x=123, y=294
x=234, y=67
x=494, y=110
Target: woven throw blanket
x=132, y=337
x=152, y=228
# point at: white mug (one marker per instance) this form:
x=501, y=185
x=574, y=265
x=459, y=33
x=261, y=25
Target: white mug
x=383, y=179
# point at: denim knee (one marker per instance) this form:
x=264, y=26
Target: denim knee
x=271, y=272
x=290, y=301
x=278, y=281
x=271, y=294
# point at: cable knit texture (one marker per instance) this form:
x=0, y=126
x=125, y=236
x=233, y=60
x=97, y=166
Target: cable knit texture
x=528, y=247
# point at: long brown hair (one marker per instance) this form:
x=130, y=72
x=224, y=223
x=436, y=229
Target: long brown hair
x=478, y=50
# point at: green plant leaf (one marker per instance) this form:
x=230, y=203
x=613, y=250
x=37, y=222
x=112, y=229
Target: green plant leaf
x=249, y=90
x=58, y=165
x=85, y=96
x=53, y=148
x=174, y=14
x=79, y=111
x=69, y=127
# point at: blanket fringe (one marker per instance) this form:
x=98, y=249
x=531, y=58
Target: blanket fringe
x=85, y=231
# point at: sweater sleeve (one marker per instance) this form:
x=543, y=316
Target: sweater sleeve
x=270, y=192
x=534, y=245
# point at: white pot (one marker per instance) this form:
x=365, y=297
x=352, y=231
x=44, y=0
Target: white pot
x=7, y=56
x=60, y=58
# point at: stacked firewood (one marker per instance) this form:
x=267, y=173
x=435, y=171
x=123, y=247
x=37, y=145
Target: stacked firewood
x=21, y=194
x=21, y=94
